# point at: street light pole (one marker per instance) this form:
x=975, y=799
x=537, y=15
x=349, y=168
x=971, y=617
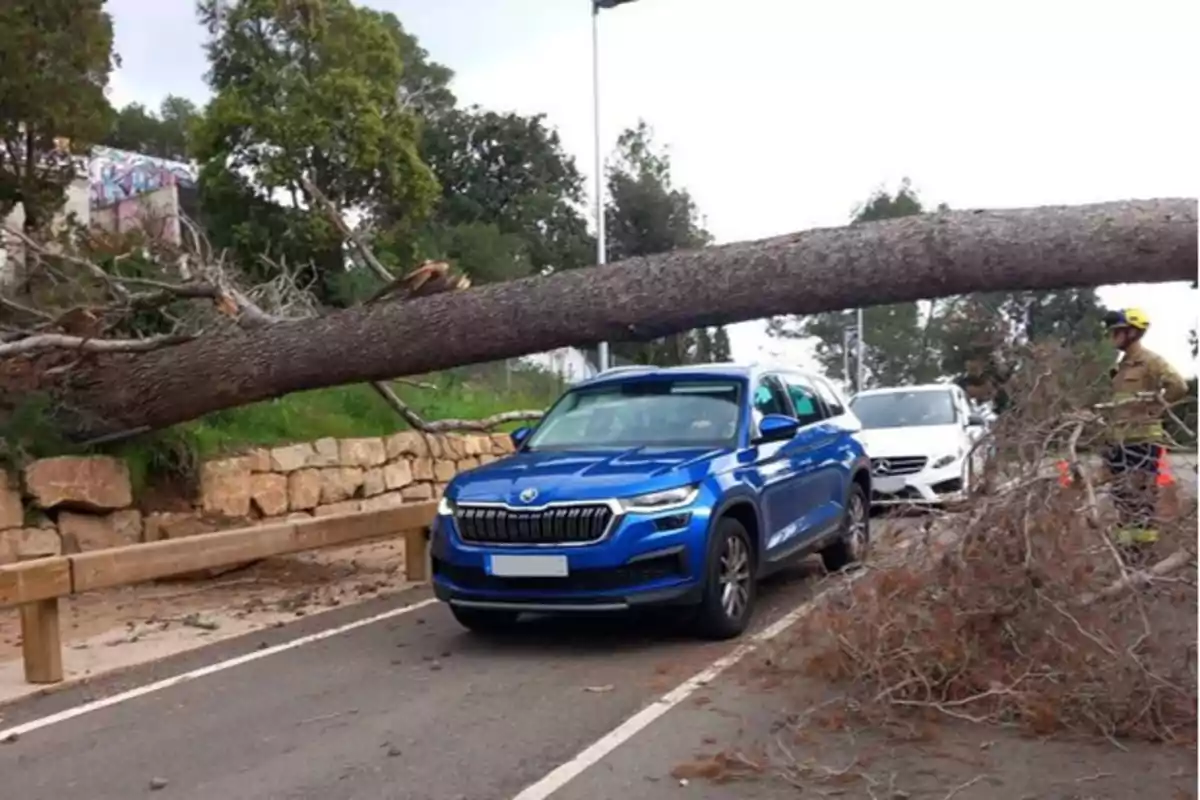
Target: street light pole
x=859, y=382
x=846, y=337
x=601, y=250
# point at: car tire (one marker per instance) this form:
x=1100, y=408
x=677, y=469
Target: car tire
x=485, y=620
x=724, y=613
x=854, y=541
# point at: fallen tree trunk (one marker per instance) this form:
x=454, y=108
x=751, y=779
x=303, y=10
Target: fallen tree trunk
x=861, y=265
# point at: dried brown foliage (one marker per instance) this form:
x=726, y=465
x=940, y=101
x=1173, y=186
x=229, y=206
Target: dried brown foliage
x=1018, y=610
x=90, y=291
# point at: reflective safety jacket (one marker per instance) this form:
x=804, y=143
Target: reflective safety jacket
x=1141, y=371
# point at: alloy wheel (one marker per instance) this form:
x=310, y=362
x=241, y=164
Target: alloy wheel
x=734, y=577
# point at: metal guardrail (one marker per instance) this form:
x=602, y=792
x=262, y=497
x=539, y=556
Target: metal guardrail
x=36, y=584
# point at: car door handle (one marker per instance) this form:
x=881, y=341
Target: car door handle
x=768, y=471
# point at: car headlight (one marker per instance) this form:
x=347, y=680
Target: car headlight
x=445, y=507
x=945, y=460
x=661, y=501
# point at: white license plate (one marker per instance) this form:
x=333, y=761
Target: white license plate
x=887, y=485
x=527, y=566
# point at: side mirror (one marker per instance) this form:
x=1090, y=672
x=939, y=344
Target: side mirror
x=777, y=428
x=519, y=436
x=975, y=421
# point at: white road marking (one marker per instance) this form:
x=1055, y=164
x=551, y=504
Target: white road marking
x=563, y=774
x=595, y=752
x=221, y=666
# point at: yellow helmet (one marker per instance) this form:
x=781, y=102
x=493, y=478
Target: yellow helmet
x=1127, y=318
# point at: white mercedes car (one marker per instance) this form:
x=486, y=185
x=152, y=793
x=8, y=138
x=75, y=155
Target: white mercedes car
x=919, y=439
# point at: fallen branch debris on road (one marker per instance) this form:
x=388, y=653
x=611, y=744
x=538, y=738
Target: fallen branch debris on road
x=1019, y=610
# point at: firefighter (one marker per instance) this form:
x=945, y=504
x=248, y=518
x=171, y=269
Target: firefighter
x=1142, y=381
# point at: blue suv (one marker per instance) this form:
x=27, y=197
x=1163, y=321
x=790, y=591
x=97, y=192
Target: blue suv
x=648, y=486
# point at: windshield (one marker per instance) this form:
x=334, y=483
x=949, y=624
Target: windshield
x=643, y=413
x=904, y=409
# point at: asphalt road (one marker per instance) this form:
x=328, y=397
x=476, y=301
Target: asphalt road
x=411, y=707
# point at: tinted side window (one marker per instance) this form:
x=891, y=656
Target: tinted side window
x=832, y=401
x=768, y=399
x=805, y=401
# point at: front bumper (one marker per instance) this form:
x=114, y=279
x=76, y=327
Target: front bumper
x=517, y=600
x=927, y=487
x=646, y=559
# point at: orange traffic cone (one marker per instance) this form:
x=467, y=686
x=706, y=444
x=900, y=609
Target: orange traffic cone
x=1064, y=473
x=1164, y=481
x=1163, y=476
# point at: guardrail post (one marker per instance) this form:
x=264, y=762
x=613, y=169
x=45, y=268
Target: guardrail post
x=416, y=554
x=41, y=645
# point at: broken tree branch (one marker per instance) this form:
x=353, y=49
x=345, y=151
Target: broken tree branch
x=933, y=255
x=213, y=282
x=417, y=422
x=36, y=249
x=20, y=308
x=412, y=284
x=1139, y=578
x=335, y=216
x=399, y=406
x=482, y=425
x=52, y=341
x=1093, y=508
x=417, y=384
x=429, y=278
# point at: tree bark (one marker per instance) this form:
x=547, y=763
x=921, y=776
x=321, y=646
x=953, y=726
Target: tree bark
x=865, y=264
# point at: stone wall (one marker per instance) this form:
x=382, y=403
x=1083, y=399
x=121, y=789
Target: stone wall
x=78, y=503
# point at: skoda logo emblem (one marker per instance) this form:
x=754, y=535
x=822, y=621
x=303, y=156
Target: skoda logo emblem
x=528, y=495
x=883, y=467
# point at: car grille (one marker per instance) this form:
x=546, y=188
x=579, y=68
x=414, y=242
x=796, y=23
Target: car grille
x=898, y=465
x=562, y=525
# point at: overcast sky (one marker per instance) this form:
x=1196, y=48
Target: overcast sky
x=784, y=114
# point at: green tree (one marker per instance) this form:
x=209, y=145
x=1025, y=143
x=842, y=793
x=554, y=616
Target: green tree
x=57, y=57
x=721, y=349
x=711, y=345
x=984, y=338
x=425, y=85
x=166, y=134
x=899, y=340
x=309, y=90
x=508, y=172
x=971, y=338
x=648, y=214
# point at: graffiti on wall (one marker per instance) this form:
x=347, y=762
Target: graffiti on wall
x=117, y=175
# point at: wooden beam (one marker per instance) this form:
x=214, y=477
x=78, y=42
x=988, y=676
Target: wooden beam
x=37, y=579
x=349, y=528
x=120, y=566
x=41, y=645
x=136, y=563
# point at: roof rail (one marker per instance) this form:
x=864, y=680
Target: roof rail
x=625, y=368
